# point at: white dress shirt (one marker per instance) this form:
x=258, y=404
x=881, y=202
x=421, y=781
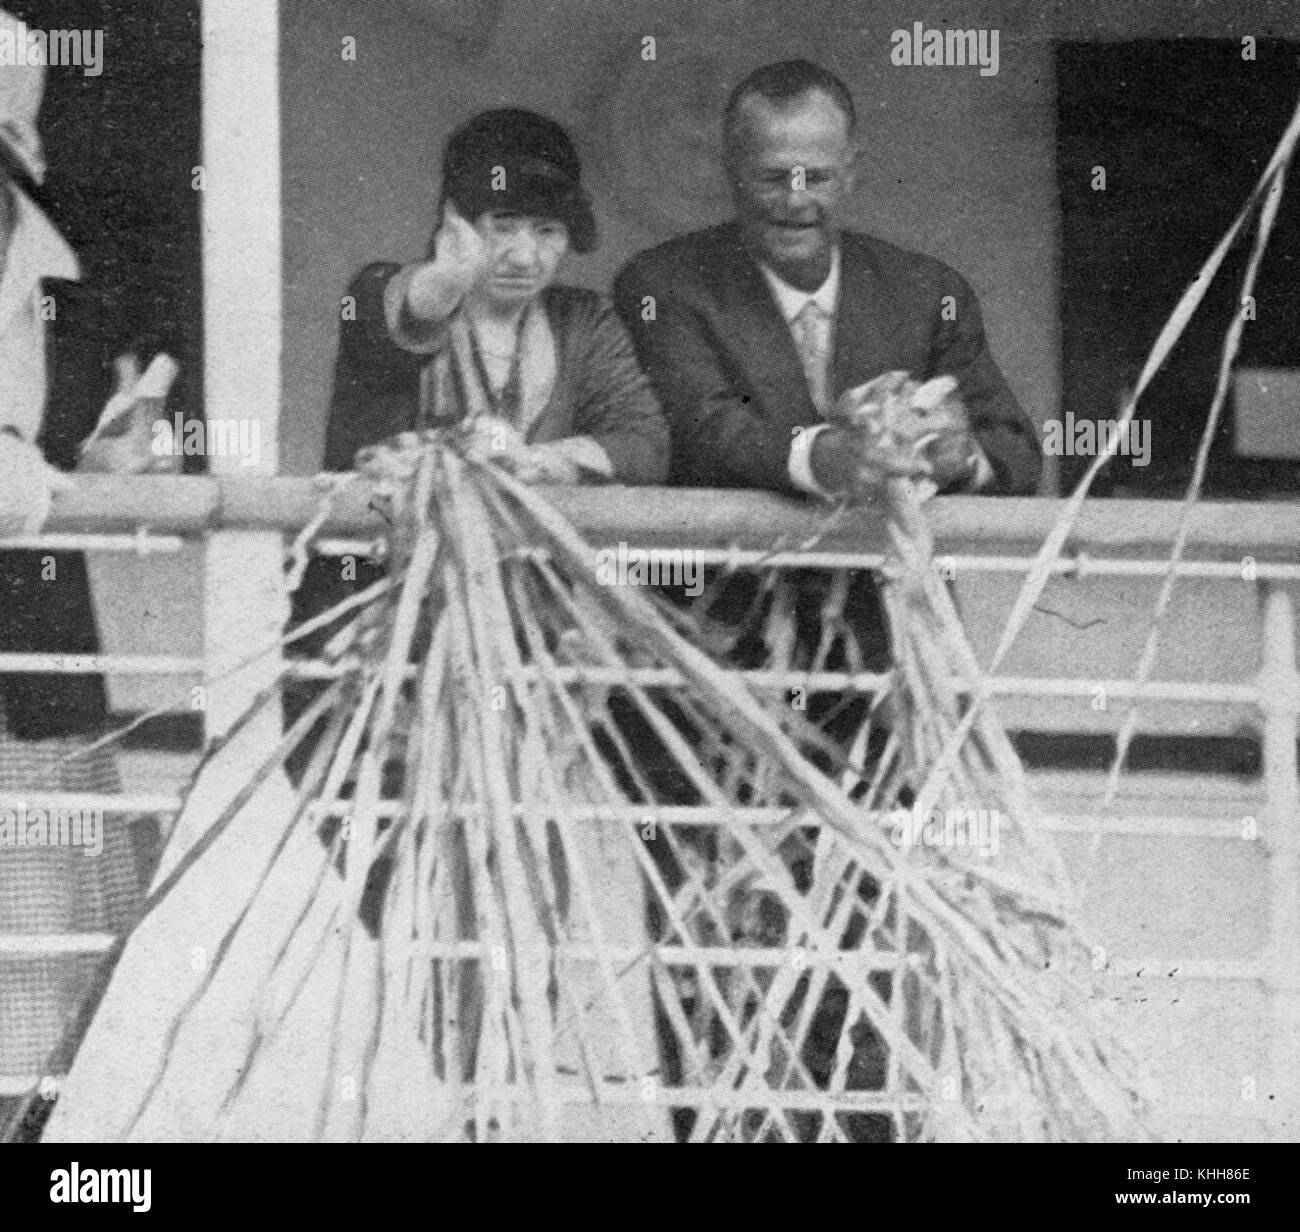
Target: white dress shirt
x=791, y=302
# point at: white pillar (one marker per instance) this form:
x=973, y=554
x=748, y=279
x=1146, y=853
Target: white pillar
x=244, y=605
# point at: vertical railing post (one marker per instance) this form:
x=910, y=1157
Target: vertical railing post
x=244, y=605
x=1279, y=683
x=244, y=601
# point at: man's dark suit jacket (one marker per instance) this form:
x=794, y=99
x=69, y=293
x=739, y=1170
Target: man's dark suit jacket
x=724, y=364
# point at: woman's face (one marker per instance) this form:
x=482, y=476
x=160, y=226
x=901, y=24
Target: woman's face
x=524, y=254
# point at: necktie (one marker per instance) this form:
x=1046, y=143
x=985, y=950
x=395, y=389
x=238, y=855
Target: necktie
x=812, y=337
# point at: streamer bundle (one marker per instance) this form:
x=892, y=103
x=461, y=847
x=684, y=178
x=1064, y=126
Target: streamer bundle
x=555, y=873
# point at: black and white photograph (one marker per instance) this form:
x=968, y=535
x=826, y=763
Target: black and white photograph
x=588, y=571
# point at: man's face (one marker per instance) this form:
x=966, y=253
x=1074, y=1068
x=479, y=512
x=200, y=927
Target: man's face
x=791, y=173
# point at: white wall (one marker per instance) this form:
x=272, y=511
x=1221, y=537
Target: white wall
x=958, y=165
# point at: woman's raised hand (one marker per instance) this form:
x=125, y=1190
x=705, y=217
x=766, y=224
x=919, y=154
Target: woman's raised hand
x=460, y=250
x=461, y=259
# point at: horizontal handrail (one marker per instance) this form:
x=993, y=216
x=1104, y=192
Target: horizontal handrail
x=690, y=517
x=1076, y=821
x=80, y=801
x=1222, y=692
x=123, y=665
x=139, y=544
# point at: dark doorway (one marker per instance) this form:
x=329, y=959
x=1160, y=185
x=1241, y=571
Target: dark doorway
x=1183, y=129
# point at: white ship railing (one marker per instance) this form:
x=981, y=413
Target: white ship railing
x=1254, y=545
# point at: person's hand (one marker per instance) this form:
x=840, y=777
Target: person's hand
x=548, y=463
x=461, y=260
x=851, y=463
x=27, y=485
x=130, y=444
x=458, y=247
x=495, y=440
x=892, y=427
x=953, y=453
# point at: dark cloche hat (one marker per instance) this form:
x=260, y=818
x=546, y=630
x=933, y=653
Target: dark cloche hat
x=542, y=171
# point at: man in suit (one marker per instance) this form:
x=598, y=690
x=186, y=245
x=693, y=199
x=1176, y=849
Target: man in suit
x=761, y=323
x=751, y=331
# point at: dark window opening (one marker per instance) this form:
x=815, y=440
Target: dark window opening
x=1183, y=130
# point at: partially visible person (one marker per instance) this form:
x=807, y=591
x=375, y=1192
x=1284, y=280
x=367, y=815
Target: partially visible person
x=47, y=721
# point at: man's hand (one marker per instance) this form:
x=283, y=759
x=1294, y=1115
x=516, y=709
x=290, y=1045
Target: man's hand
x=897, y=427
x=461, y=260
x=954, y=453
x=847, y=462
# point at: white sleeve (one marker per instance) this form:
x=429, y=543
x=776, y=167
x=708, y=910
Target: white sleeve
x=409, y=332
x=799, y=465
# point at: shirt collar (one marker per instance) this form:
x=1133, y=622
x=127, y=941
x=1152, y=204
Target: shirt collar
x=36, y=251
x=790, y=300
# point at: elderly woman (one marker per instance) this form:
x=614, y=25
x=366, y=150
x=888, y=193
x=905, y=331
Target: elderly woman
x=482, y=330
x=482, y=334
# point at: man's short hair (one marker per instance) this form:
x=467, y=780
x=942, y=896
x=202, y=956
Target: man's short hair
x=781, y=84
